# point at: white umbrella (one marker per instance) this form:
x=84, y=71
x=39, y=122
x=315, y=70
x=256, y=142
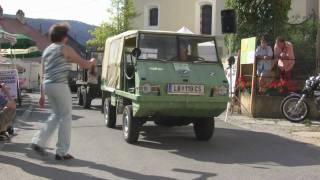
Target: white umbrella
x=185, y=30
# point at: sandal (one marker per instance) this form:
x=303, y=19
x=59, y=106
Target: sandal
x=39, y=149
x=65, y=157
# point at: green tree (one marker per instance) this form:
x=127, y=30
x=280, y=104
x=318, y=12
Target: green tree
x=256, y=18
x=121, y=14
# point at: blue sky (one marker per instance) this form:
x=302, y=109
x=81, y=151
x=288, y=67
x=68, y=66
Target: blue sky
x=88, y=11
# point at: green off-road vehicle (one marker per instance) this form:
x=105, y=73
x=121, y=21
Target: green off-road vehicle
x=170, y=78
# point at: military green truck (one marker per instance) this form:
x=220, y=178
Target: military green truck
x=170, y=78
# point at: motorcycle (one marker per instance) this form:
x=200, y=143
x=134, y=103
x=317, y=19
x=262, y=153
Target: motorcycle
x=295, y=108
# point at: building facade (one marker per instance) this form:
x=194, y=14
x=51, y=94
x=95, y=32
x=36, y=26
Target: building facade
x=200, y=16
x=303, y=8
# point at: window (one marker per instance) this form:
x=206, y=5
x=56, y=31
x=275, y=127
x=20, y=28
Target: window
x=153, y=16
x=206, y=19
x=197, y=49
x=177, y=48
x=158, y=47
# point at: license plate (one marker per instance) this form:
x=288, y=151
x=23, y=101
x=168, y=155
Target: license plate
x=185, y=89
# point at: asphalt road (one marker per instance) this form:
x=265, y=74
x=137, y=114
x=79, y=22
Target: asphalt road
x=161, y=153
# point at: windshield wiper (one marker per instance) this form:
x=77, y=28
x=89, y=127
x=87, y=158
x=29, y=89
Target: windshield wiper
x=201, y=61
x=163, y=60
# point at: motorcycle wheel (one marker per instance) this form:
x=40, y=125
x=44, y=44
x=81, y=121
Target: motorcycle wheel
x=291, y=111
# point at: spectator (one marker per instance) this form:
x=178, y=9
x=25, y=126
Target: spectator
x=7, y=112
x=283, y=52
x=264, y=57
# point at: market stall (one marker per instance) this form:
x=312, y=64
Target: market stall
x=8, y=70
x=261, y=101
x=24, y=53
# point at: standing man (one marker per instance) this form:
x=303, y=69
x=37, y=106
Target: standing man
x=7, y=112
x=264, y=57
x=56, y=65
x=283, y=52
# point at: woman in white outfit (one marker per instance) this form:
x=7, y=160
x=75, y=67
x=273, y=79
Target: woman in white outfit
x=56, y=60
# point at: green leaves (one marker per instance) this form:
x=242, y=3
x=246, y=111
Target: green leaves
x=121, y=14
x=258, y=17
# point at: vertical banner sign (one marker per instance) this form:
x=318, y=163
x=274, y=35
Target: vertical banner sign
x=10, y=78
x=248, y=50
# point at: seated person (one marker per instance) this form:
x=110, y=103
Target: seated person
x=264, y=57
x=184, y=53
x=283, y=52
x=7, y=112
x=92, y=76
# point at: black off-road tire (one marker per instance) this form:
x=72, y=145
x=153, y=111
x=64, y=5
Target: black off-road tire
x=130, y=126
x=110, y=114
x=80, y=97
x=86, y=99
x=204, y=128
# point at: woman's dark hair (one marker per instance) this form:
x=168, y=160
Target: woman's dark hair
x=263, y=38
x=57, y=32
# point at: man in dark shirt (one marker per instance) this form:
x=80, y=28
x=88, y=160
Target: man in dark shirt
x=7, y=112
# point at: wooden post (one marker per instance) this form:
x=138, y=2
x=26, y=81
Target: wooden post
x=253, y=87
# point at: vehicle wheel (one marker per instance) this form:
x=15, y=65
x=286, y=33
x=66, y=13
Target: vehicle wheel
x=110, y=115
x=130, y=126
x=103, y=99
x=291, y=111
x=204, y=128
x=80, y=97
x=86, y=99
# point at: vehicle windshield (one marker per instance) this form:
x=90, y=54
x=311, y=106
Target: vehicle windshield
x=177, y=48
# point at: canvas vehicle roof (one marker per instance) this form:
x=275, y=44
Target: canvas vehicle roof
x=114, y=49
x=135, y=32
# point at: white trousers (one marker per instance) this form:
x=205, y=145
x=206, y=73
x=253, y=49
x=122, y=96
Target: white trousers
x=60, y=99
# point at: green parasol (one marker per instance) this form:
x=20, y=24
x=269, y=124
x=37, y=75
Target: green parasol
x=22, y=42
x=24, y=47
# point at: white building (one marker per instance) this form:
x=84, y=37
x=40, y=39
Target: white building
x=200, y=16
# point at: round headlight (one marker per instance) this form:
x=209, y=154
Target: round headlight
x=146, y=88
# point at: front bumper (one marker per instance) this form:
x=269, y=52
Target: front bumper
x=179, y=106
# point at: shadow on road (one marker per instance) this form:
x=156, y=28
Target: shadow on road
x=231, y=146
x=203, y=175
x=44, y=171
x=56, y=173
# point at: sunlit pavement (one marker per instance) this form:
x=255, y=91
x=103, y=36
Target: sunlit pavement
x=161, y=153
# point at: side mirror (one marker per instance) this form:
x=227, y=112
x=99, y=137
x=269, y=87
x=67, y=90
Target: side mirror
x=231, y=60
x=136, y=52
